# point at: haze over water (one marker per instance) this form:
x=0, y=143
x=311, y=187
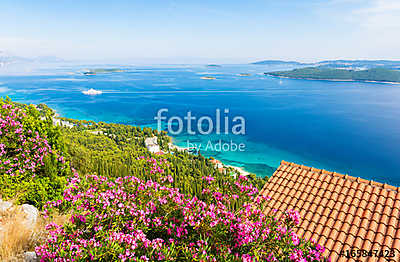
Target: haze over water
x=347, y=127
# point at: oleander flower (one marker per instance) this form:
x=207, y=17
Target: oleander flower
x=130, y=219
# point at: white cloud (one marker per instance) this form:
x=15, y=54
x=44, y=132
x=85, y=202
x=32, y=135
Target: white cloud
x=379, y=14
x=381, y=6
x=362, y=28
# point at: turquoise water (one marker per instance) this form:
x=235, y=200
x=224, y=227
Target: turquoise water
x=347, y=127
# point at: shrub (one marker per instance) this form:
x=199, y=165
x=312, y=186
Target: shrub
x=31, y=169
x=129, y=219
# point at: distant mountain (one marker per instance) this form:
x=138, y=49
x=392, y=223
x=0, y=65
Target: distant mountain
x=344, y=64
x=277, y=62
x=6, y=58
x=324, y=73
x=48, y=59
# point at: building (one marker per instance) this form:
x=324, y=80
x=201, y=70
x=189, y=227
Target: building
x=217, y=163
x=152, y=144
x=341, y=212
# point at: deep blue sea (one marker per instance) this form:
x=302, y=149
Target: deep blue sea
x=347, y=127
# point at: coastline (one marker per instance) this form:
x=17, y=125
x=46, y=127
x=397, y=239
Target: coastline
x=219, y=164
x=240, y=170
x=171, y=146
x=153, y=147
x=335, y=80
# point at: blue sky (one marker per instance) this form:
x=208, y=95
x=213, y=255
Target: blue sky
x=196, y=31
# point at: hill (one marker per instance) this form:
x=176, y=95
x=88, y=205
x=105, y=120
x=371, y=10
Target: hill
x=323, y=73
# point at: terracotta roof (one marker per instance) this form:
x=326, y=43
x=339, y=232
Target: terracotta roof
x=338, y=211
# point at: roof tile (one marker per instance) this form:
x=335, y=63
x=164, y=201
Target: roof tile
x=364, y=222
x=379, y=238
x=397, y=235
x=373, y=226
x=396, y=211
x=358, y=242
x=341, y=215
x=396, y=244
x=367, y=245
x=388, y=242
x=392, y=195
x=307, y=235
x=390, y=231
x=350, y=240
x=345, y=227
x=329, y=244
x=323, y=220
x=373, y=198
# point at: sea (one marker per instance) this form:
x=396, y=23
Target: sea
x=237, y=114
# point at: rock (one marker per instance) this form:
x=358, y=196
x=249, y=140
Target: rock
x=30, y=257
x=31, y=212
x=5, y=205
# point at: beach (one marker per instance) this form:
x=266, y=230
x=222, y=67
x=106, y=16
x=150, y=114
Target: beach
x=218, y=164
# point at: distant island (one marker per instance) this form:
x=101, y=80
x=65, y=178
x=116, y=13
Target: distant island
x=102, y=71
x=334, y=74
x=278, y=62
x=340, y=64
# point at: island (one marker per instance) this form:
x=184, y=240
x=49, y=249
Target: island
x=333, y=74
x=207, y=77
x=102, y=71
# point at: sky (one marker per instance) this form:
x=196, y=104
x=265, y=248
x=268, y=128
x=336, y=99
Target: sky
x=217, y=31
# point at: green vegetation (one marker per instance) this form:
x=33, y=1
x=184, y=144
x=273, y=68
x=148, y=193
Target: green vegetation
x=324, y=73
x=32, y=166
x=112, y=150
